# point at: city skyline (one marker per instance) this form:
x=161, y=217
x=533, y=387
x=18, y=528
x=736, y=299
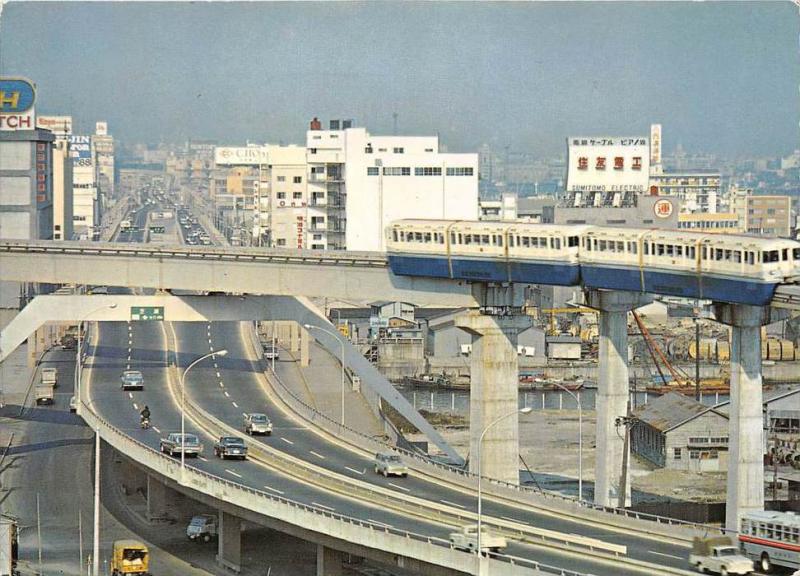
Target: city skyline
x=523, y=75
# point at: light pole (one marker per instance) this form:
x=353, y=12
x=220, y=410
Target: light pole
x=526, y=410
x=78, y=351
x=183, y=402
x=341, y=343
x=580, y=438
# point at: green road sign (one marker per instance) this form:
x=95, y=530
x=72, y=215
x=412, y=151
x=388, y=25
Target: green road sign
x=139, y=313
x=156, y=229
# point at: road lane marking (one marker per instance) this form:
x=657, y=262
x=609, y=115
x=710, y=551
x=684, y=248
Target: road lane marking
x=221, y=385
x=203, y=458
x=452, y=504
x=235, y=405
x=317, y=455
x=354, y=471
x=218, y=374
x=232, y=473
x=215, y=365
x=157, y=430
x=226, y=394
x=274, y=490
x=130, y=395
x=403, y=488
x=211, y=348
x=318, y=505
x=244, y=413
x=287, y=441
x=667, y=555
x=135, y=406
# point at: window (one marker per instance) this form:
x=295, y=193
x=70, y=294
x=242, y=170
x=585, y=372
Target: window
x=572, y=241
x=318, y=169
x=676, y=453
x=372, y=170
x=281, y=195
x=297, y=195
x=312, y=150
x=466, y=171
x=281, y=178
x=428, y=171
x=297, y=179
x=368, y=149
x=281, y=241
x=398, y=150
x=397, y=171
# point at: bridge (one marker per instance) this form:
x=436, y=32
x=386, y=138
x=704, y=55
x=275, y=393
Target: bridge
x=285, y=275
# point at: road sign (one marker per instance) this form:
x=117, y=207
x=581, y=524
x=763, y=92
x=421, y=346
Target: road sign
x=156, y=229
x=139, y=313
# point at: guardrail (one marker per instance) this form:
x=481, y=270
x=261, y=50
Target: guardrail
x=403, y=543
x=449, y=473
x=256, y=255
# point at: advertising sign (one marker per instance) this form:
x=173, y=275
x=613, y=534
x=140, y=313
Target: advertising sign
x=101, y=128
x=80, y=148
x=655, y=144
x=608, y=164
x=58, y=125
x=663, y=208
x=241, y=156
x=17, y=96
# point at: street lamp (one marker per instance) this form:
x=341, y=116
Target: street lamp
x=78, y=350
x=222, y=352
x=341, y=343
x=580, y=438
x=525, y=410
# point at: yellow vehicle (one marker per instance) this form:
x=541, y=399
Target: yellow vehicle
x=130, y=557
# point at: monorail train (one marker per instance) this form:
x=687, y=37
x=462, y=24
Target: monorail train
x=725, y=268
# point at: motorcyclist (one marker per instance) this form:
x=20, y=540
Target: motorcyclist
x=145, y=414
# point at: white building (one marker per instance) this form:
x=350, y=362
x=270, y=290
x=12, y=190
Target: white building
x=61, y=127
x=103, y=149
x=84, y=186
x=364, y=182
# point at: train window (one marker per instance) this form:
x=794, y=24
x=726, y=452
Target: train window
x=526, y=242
x=796, y=254
x=485, y=239
x=646, y=249
x=602, y=246
x=718, y=254
x=749, y=257
x=499, y=240
x=427, y=237
x=572, y=241
x=620, y=246
x=452, y=237
x=728, y=255
x=769, y=256
x=441, y=238
x=737, y=256
x=669, y=249
x=679, y=251
x=511, y=241
x=659, y=249
x=556, y=243
x=785, y=254
x=418, y=236
x=690, y=252
x=632, y=248
x=394, y=235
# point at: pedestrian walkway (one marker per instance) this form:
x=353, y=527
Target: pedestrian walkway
x=319, y=384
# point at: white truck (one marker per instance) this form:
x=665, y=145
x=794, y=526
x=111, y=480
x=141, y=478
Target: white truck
x=49, y=377
x=43, y=394
x=467, y=539
x=719, y=555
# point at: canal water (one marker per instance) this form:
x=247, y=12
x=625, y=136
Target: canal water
x=457, y=402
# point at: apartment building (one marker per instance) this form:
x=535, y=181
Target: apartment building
x=697, y=191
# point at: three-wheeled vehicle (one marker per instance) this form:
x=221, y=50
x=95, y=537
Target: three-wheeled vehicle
x=130, y=557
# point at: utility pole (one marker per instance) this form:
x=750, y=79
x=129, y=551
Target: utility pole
x=628, y=422
x=697, y=354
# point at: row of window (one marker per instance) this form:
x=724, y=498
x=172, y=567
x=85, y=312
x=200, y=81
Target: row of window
x=771, y=531
x=395, y=150
x=295, y=179
x=708, y=440
x=419, y=171
x=295, y=195
x=705, y=224
x=460, y=238
x=677, y=454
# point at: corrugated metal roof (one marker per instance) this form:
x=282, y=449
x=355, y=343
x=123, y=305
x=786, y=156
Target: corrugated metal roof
x=671, y=410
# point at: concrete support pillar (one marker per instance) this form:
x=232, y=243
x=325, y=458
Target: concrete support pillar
x=294, y=335
x=229, y=551
x=329, y=561
x=746, y=424
x=304, y=355
x=156, y=498
x=612, y=390
x=494, y=392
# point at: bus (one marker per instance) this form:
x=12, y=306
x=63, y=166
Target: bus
x=771, y=539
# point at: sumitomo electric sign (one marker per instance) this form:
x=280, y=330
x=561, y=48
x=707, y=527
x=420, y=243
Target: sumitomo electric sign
x=240, y=156
x=608, y=164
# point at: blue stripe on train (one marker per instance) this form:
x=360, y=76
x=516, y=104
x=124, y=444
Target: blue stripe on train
x=486, y=270
x=687, y=285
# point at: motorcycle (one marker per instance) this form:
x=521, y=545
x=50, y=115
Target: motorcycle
x=145, y=424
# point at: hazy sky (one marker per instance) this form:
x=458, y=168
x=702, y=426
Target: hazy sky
x=720, y=77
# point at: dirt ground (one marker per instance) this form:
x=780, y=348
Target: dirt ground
x=549, y=445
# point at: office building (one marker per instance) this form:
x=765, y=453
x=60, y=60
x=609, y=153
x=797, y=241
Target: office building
x=61, y=127
x=697, y=191
x=103, y=150
x=367, y=181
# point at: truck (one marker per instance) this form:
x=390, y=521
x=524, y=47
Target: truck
x=49, y=377
x=719, y=555
x=202, y=527
x=43, y=393
x=467, y=539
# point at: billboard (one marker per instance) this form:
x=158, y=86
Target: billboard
x=101, y=128
x=58, y=125
x=655, y=144
x=241, y=156
x=80, y=149
x=17, y=96
x=608, y=164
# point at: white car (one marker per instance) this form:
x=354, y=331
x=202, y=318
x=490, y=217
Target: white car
x=390, y=465
x=256, y=423
x=132, y=380
x=73, y=404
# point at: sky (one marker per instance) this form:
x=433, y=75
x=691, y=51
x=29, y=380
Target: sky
x=720, y=77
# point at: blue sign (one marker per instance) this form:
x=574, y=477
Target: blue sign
x=16, y=95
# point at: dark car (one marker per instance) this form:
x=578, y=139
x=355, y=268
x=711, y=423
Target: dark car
x=230, y=447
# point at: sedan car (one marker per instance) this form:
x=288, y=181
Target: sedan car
x=132, y=380
x=176, y=443
x=230, y=447
x=390, y=465
x=256, y=423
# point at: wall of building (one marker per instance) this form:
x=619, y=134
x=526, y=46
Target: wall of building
x=647, y=213
x=709, y=425
x=62, y=191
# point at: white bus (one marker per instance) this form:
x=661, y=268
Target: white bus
x=771, y=539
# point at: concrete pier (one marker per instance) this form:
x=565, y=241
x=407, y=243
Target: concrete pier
x=229, y=547
x=494, y=390
x=156, y=498
x=746, y=424
x=612, y=389
x=329, y=561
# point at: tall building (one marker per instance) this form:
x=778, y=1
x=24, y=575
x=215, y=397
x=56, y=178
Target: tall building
x=103, y=150
x=697, y=191
x=61, y=127
x=367, y=181
x=85, y=210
